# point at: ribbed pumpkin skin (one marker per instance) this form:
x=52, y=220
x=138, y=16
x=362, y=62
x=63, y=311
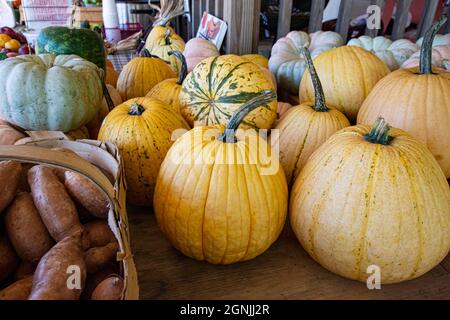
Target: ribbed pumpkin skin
x=418, y=104
x=357, y=204
x=156, y=45
x=221, y=213
x=347, y=74
x=197, y=50
x=168, y=91
x=140, y=75
x=218, y=86
x=301, y=131
x=47, y=92
x=143, y=141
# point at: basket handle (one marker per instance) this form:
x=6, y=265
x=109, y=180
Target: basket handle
x=40, y=155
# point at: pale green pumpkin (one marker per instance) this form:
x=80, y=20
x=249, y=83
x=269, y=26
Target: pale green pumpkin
x=48, y=92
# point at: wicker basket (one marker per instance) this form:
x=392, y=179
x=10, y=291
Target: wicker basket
x=103, y=167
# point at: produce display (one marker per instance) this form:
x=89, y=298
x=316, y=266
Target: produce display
x=231, y=212
x=12, y=44
x=142, y=129
x=348, y=74
x=45, y=233
x=393, y=53
x=48, y=92
x=163, y=39
x=218, y=86
x=304, y=128
x=287, y=62
x=416, y=100
x=394, y=213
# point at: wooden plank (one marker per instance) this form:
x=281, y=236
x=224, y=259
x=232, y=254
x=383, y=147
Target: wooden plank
x=446, y=28
x=195, y=15
x=284, y=18
x=401, y=19
x=343, y=22
x=316, y=16
x=210, y=6
x=428, y=15
x=284, y=271
x=256, y=22
x=218, y=10
x=374, y=32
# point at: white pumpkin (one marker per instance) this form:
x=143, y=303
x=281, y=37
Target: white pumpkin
x=392, y=53
x=439, y=40
x=287, y=62
x=439, y=56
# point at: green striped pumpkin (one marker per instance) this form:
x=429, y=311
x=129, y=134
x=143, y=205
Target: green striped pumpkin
x=218, y=86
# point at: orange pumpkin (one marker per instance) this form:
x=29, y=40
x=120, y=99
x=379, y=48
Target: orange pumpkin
x=111, y=74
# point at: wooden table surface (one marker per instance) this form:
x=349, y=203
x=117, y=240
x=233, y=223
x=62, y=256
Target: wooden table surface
x=285, y=271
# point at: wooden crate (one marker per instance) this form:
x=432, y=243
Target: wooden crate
x=92, y=14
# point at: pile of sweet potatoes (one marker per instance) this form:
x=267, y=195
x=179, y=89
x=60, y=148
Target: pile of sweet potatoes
x=55, y=242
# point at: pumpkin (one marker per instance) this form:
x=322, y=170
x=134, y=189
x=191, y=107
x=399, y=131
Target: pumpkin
x=372, y=197
x=439, y=40
x=305, y=128
x=168, y=91
x=283, y=107
x=141, y=74
x=393, y=53
x=8, y=134
x=197, y=50
x=48, y=92
x=85, y=43
x=214, y=209
x=347, y=74
x=416, y=100
x=162, y=39
x=218, y=86
x=111, y=74
x=287, y=62
x=260, y=60
x=94, y=126
x=439, y=55
x=142, y=129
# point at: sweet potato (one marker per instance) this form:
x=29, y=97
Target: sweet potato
x=9, y=135
x=98, y=233
x=53, y=275
x=87, y=194
x=9, y=181
x=109, y=289
x=24, y=270
x=19, y=290
x=93, y=280
x=8, y=258
x=26, y=230
x=98, y=258
x=55, y=206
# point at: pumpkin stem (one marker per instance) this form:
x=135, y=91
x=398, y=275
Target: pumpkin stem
x=106, y=94
x=136, y=109
x=183, y=71
x=426, y=51
x=264, y=97
x=146, y=54
x=379, y=133
x=167, y=37
x=319, y=104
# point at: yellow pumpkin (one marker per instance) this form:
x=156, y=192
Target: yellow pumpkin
x=260, y=60
x=162, y=38
x=372, y=197
x=348, y=74
x=142, y=129
x=168, y=91
x=306, y=127
x=218, y=86
x=416, y=100
x=141, y=74
x=213, y=208
x=94, y=126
